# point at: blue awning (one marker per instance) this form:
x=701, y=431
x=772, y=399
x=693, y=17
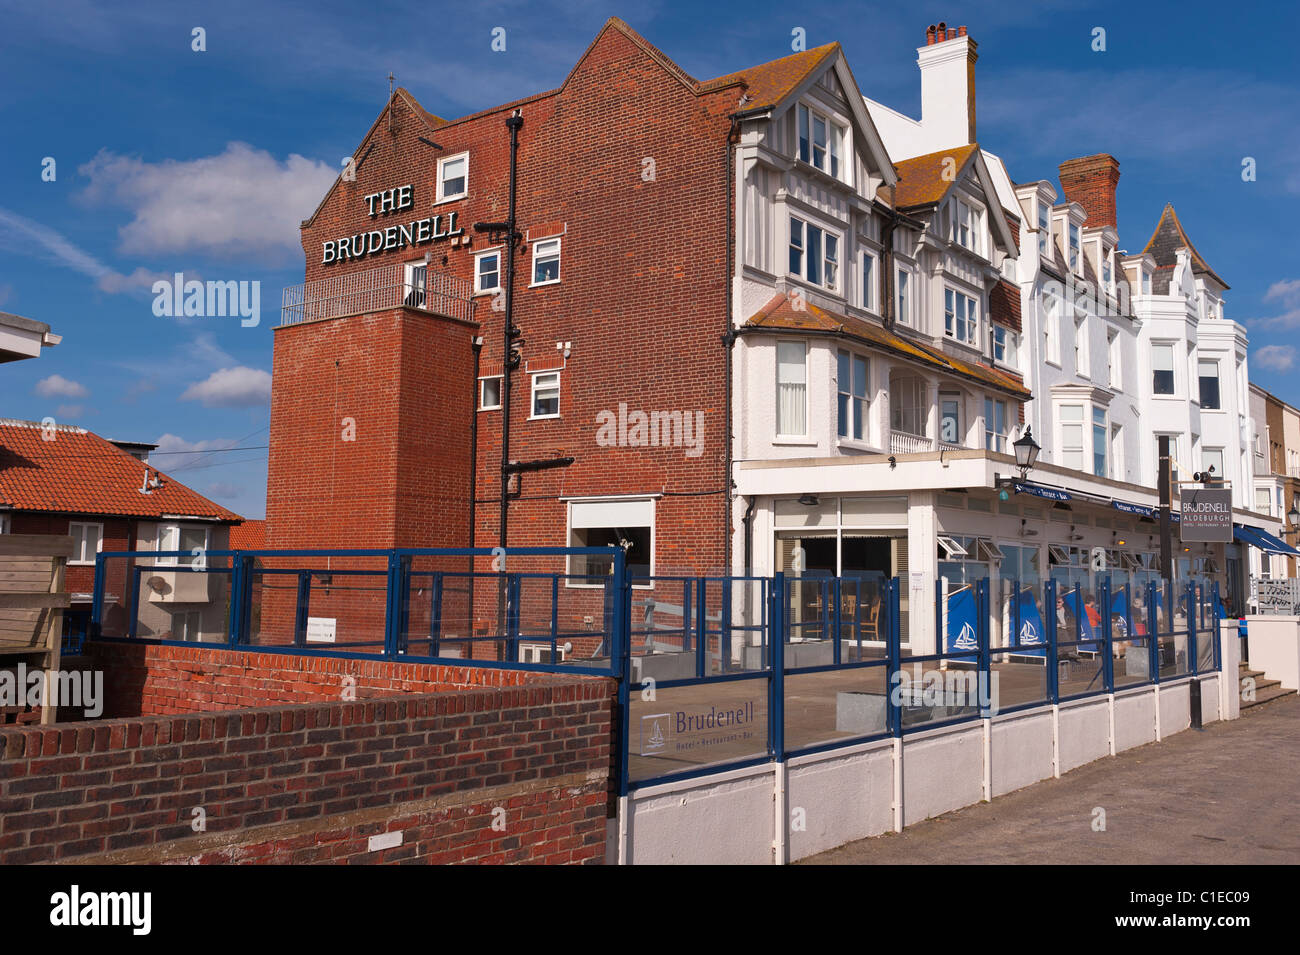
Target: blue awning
x=1262, y=539
x=1276, y=545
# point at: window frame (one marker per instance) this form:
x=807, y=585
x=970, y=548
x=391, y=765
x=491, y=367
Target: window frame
x=971, y=324
x=903, y=296
x=442, y=195
x=852, y=411
x=558, y=242
x=1171, y=370
x=791, y=435
x=837, y=147
x=482, y=383
x=974, y=226
x=1104, y=426
x=576, y=580
x=478, y=275
x=1082, y=423
x=992, y=404
x=955, y=398
x=80, y=540
x=1218, y=384
x=413, y=295
x=532, y=405
x=828, y=262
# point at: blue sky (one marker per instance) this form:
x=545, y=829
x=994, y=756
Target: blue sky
x=170, y=160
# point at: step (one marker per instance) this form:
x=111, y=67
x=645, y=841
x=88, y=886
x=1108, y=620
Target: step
x=1267, y=696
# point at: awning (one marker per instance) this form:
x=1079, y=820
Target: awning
x=1257, y=537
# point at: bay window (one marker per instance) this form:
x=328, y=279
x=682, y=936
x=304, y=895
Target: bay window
x=852, y=407
x=1209, y=375
x=1099, y=436
x=822, y=141
x=814, y=254
x=1006, y=343
x=1071, y=419
x=995, y=425
x=960, y=317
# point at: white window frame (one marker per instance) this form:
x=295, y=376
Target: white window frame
x=197, y=630
x=4, y=523
x=413, y=294
x=803, y=433
x=622, y=512
x=179, y=527
x=1044, y=227
x=903, y=296
x=1003, y=438
x=1010, y=346
x=1082, y=361
x=532, y=405
x=77, y=530
x=1083, y=423
x=838, y=144
x=537, y=246
x=829, y=263
x=1104, y=425
x=970, y=316
x=540, y=652
x=970, y=217
x=479, y=257
x=1172, y=369
x=869, y=287
x=1218, y=379
x=1222, y=462
x=1114, y=362
x=443, y=195
x=955, y=398
x=854, y=421
x=1074, y=247
x=482, y=392
x=1052, y=306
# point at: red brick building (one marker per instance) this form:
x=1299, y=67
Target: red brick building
x=386, y=425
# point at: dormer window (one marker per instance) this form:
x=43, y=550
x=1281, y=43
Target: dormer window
x=1146, y=282
x=821, y=141
x=1105, y=268
x=1044, y=227
x=966, y=226
x=1074, y=247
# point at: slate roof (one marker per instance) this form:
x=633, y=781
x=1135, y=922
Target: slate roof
x=78, y=472
x=1164, y=244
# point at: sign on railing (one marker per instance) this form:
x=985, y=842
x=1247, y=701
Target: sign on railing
x=1280, y=596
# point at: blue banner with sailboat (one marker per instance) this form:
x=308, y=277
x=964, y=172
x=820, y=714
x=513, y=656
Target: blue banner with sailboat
x=1030, y=633
x=960, y=633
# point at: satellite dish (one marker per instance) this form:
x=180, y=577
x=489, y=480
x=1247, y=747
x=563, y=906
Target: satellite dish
x=158, y=585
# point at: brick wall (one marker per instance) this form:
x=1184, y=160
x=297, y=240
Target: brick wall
x=310, y=783
x=145, y=680
x=642, y=300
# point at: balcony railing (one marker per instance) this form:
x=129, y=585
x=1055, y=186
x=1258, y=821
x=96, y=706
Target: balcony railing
x=900, y=442
x=377, y=290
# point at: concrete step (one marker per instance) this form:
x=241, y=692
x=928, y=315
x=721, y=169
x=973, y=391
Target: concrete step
x=1267, y=695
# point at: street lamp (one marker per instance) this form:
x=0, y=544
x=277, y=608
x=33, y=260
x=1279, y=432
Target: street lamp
x=1026, y=452
x=1292, y=519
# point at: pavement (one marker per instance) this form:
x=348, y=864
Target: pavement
x=1228, y=794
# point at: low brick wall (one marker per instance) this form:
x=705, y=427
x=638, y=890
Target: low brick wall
x=146, y=679
x=310, y=783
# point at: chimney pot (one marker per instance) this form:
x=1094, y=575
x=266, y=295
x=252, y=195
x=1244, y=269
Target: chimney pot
x=952, y=34
x=942, y=31
x=929, y=36
x=961, y=31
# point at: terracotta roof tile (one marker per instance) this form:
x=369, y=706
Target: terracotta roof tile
x=780, y=313
x=769, y=83
x=250, y=535
x=1004, y=305
x=80, y=473
x=922, y=180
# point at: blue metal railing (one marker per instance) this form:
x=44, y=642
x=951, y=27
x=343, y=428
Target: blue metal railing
x=822, y=657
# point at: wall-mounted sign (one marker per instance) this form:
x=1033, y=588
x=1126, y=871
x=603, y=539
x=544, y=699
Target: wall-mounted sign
x=321, y=629
x=1207, y=515
x=1051, y=493
x=697, y=728
x=408, y=234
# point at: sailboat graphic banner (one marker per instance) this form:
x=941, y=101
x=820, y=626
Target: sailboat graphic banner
x=1031, y=633
x=959, y=631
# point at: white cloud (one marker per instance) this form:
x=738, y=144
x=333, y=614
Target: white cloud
x=241, y=203
x=1275, y=357
x=1286, y=292
x=56, y=386
x=23, y=235
x=231, y=388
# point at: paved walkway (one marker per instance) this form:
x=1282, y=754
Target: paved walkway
x=1228, y=794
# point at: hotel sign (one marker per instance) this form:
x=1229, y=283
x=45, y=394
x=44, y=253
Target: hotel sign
x=407, y=234
x=1207, y=515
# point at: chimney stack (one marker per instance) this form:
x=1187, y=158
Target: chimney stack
x=947, y=63
x=1091, y=181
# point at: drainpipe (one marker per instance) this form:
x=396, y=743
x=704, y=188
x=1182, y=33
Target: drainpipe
x=749, y=535
x=473, y=464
